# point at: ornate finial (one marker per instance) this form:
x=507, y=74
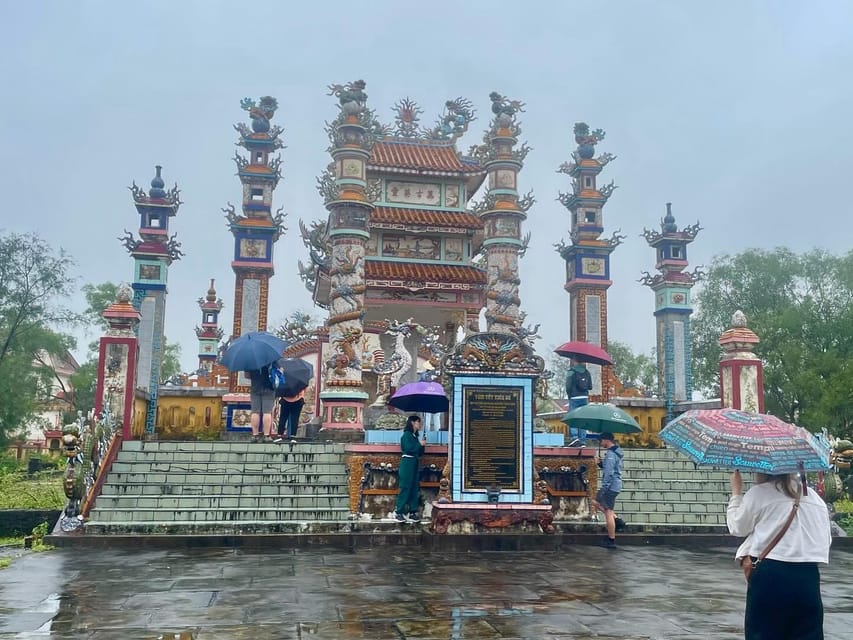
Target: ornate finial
x=586, y=140
x=211, y=293
x=157, y=185
x=351, y=96
x=261, y=112
x=458, y=114
x=504, y=109
x=738, y=319
x=407, y=117
x=668, y=225
x=124, y=293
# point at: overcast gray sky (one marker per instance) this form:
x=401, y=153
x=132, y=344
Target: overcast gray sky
x=737, y=112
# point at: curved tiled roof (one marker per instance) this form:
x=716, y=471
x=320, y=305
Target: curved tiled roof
x=425, y=217
x=423, y=271
x=419, y=156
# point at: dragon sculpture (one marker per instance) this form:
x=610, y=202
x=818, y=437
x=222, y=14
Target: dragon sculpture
x=458, y=114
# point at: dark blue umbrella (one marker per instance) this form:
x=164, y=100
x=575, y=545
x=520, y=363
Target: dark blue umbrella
x=253, y=351
x=297, y=374
x=423, y=397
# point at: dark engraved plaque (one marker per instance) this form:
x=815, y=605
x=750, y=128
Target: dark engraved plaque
x=492, y=438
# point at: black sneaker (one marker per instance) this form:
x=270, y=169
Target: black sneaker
x=413, y=517
x=609, y=543
x=620, y=525
x=399, y=517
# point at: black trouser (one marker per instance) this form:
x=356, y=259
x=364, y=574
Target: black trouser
x=783, y=602
x=288, y=417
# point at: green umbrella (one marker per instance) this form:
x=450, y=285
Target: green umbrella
x=601, y=417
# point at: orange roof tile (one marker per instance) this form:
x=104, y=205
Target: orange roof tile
x=421, y=271
x=425, y=217
x=419, y=156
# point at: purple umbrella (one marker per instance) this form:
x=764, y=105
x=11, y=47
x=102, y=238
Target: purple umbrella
x=422, y=397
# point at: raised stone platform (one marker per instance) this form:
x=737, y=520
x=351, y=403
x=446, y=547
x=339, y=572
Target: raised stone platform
x=466, y=517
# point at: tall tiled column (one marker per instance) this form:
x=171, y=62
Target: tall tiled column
x=152, y=255
x=349, y=212
x=256, y=229
x=503, y=213
x=588, y=256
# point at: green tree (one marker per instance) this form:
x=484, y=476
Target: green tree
x=33, y=278
x=801, y=308
x=171, y=364
x=637, y=370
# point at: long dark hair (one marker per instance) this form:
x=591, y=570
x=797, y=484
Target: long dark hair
x=410, y=423
x=786, y=483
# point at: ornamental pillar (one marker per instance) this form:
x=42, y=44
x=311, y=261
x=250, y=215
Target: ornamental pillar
x=741, y=371
x=117, y=364
x=343, y=397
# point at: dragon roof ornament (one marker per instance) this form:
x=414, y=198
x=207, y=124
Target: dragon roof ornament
x=458, y=114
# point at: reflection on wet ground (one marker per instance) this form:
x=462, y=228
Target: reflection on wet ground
x=388, y=593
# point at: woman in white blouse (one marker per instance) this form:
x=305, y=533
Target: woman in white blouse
x=783, y=597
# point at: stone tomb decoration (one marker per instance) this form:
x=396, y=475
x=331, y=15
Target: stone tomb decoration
x=492, y=482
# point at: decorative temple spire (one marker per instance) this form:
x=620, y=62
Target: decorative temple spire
x=153, y=253
x=587, y=255
x=209, y=333
x=673, y=307
x=503, y=212
x=256, y=228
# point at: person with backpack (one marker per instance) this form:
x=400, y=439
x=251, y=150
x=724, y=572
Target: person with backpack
x=578, y=386
x=611, y=485
x=262, y=398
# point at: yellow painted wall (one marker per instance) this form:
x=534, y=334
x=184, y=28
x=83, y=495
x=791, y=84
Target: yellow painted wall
x=189, y=416
x=650, y=419
x=140, y=407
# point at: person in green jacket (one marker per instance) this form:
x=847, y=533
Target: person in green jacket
x=408, y=480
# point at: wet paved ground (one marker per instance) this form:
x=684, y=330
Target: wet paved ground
x=388, y=593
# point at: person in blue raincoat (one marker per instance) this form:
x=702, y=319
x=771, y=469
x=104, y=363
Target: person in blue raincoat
x=408, y=479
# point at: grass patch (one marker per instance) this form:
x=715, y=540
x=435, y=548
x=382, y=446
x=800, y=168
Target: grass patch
x=19, y=490
x=5, y=562
x=11, y=541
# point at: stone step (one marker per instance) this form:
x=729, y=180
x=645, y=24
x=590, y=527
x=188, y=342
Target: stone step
x=241, y=502
x=217, y=446
x=156, y=528
x=238, y=467
x=652, y=495
x=643, y=473
x=119, y=489
x=222, y=479
x=714, y=486
x=276, y=455
x=221, y=514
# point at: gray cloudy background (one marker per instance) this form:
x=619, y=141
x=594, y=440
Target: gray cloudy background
x=737, y=112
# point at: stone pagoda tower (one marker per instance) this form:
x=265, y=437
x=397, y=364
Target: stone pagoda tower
x=588, y=255
x=255, y=229
x=152, y=253
x=396, y=253
x=673, y=307
x=503, y=213
x=209, y=333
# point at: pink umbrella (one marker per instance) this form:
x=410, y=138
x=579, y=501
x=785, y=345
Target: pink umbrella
x=584, y=352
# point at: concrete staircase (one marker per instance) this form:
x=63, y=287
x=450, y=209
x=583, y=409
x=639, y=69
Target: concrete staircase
x=223, y=488
x=663, y=490
x=238, y=488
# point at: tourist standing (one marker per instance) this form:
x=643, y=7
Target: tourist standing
x=783, y=595
x=408, y=479
x=262, y=398
x=288, y=418
x=611, y=485
x=578, y=386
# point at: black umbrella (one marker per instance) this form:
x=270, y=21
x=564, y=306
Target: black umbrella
x=297, y=374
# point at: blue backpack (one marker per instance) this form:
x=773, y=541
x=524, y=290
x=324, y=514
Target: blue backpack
x=276, y=378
